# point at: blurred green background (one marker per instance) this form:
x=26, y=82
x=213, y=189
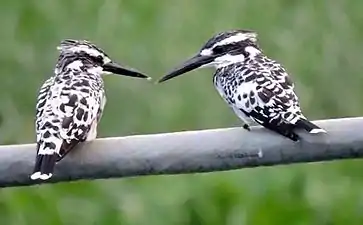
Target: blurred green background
x=319, y=42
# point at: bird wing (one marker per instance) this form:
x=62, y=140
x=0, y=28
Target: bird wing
x=79, y=111
x=265, y=100
x=279, y=73
x=67, y=113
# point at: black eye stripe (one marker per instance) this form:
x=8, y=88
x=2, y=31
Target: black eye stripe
x=82, y=48
x=225, y=48
x=218, y=49
x=98, y=59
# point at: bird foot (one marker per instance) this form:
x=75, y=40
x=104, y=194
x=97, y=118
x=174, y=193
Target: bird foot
x=246, y=127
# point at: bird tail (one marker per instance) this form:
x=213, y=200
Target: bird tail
x=287, y=131
x=284, y=129
x=44, y=163
x=309, y=126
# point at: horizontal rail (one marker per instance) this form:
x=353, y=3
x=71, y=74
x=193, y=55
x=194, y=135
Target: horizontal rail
x=187, y=152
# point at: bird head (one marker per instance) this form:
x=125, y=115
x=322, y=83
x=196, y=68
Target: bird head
x=221, y=50
x=77, y=52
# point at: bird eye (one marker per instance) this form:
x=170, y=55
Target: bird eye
x=218, y=50
x=100, y=58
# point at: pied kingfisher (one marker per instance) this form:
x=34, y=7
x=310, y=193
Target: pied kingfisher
x=70, y=103
x=257, y=88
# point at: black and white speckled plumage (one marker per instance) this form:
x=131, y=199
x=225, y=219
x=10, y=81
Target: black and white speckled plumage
x=69, y=106
x=257, y=88
x=70, y=103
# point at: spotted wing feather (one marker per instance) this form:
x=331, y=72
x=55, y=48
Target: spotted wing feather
x=66, y=110
x=253, y=92
x=265, y=97
x=272, y=104
x=279, y=73
x=79, y=111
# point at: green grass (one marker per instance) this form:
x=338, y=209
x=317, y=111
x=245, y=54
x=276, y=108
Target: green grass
x=318, y=42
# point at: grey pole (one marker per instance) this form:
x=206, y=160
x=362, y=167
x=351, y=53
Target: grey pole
x=187, y=152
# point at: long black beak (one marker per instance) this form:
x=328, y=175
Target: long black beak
x=117, y=69
x=189, y=65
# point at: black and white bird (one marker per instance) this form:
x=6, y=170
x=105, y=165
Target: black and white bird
x=257, y=88
x=70, y=103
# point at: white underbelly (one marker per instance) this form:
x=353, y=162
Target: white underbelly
x=246, y=119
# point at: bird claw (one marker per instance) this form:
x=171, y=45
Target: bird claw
x=246, y=127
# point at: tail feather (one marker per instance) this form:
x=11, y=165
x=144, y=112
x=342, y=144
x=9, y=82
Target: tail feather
x=48, y=156
x=65, y=149
x=309, y=126
x=44, y=166
x=284, y=129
